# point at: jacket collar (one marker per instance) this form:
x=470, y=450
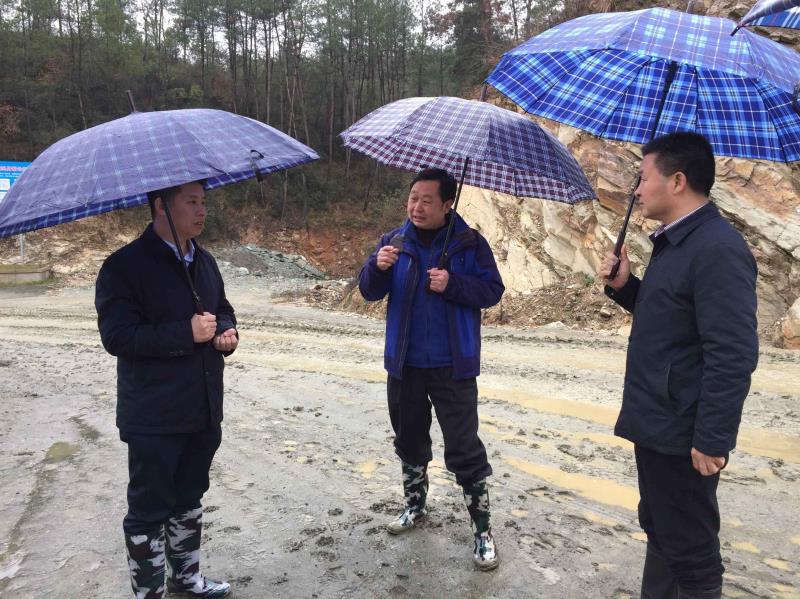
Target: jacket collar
x=675, y=235
x=463, y=236
x=156, y=245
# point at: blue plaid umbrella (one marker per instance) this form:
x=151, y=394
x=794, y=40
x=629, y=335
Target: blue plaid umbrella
x=492, y=147
x=772, y=13
x=115, y=164
x=608, y=74
x=632, y=76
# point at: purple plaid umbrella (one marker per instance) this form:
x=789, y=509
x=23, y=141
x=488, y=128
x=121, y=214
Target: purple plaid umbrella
x=772, y=13
x=493, y=148
x=115, y=164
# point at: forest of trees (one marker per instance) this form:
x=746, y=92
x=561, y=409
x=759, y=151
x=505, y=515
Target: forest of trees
x=308, y=67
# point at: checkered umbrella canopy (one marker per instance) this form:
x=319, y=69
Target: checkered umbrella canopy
x=507, y=152
x=773, y=13
x=606, y=73
x=115, y=164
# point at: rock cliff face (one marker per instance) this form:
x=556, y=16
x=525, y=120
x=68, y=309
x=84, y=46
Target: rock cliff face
x=538, y=243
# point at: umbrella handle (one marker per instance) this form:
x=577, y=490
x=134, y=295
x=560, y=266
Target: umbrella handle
x=198, y=305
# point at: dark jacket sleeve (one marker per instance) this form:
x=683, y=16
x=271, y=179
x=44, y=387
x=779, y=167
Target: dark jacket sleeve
x=481, y=290
x=625, y=296
x=725, y=306
x=124, y=329
x=373, y=282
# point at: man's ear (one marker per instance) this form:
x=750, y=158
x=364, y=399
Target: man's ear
x=679, y=182
x=448, y=205
x=158, y=204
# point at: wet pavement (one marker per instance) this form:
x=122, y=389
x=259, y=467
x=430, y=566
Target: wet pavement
x=306, y=477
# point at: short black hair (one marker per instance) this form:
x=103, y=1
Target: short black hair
x=166, y=194
x=447, y=183
x=685, y=152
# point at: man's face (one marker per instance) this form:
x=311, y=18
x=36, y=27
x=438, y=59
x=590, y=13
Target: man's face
x=188, y=210
x=425, y=207
x=654, y=193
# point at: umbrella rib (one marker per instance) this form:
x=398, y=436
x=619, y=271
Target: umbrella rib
x=623, y=95
x=208, y=152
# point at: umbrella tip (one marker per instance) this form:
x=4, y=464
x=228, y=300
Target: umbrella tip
x=130, y=101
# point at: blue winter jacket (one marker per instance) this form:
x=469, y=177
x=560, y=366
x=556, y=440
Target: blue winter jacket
x=474, y=284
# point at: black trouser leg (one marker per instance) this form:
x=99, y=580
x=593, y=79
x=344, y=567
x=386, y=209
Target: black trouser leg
x=168, y=475
x=679, y=512
x=456, y=404
x=410, y=413
x=657, y=580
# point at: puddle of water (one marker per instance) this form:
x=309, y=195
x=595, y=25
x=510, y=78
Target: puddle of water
x=87, y=431
x=745, y=546
x=568, y=358
x=734, y=523
x=367, y=469
x=596, y=489
x=60, y=451
x=753, y=441
x=769, y=444
x=11, y=567
x=780, y=381
x=550, y=405
x=785, y=590
x=778, y=564
x=598, y=519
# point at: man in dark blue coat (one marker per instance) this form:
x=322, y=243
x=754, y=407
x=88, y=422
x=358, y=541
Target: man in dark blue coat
x=169, y=388
x=691, y=353
x=432, y=351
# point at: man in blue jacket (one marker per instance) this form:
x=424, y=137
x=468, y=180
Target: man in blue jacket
x=692, y=350
x=169, y=389
x=432, y=351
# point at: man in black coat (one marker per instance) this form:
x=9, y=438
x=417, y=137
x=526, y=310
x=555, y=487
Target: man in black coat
x=169, y=388
x=692, y=349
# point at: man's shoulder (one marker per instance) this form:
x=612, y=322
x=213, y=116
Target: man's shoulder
x=129, y=252
x=717, y=231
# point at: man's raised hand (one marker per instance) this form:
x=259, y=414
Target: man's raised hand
x=203, y=327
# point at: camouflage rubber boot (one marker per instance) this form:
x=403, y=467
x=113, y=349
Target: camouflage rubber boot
x=184, y=532
x=146, y=564
x=476, y=496
x=415, y=487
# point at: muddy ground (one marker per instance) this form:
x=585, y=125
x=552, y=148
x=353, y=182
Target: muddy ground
x=306, y=477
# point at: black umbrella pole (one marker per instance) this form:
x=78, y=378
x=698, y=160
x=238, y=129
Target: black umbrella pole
x=443, y=257
x=198, y=306
x=672, y=70
x=621, y=236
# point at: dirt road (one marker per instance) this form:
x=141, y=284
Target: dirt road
x=306, y=476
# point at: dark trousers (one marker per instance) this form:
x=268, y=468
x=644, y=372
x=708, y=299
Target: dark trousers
x=679, y=512
x=456, y=405
x=168, y=476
